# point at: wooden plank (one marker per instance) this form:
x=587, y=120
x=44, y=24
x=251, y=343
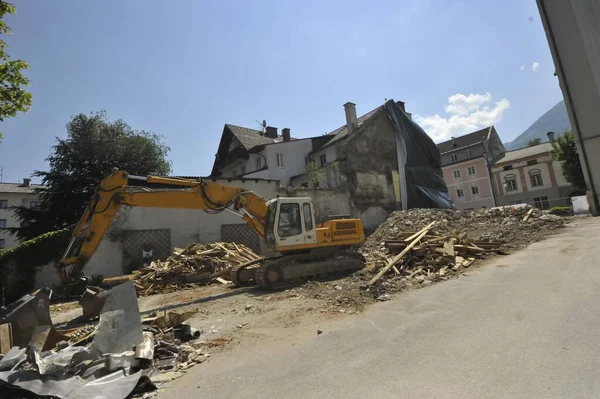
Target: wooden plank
x=400, y=255
x=527, y=215
x=223, y=281
x=6, y=338
x=448, y=249
x=418, y=233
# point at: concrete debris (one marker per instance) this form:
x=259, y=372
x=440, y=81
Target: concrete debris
x=428, y=245
x=115, y=357
x=196, y=264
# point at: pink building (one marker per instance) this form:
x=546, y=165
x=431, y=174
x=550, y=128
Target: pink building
x=466, y=164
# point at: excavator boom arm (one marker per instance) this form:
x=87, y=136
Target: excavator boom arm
x=120, y=189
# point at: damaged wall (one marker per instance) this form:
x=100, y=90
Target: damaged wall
x=367, y=160
x=327, y=202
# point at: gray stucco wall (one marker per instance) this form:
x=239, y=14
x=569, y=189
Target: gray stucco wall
x=367, y=159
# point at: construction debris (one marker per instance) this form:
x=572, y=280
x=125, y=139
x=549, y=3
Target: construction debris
x=113, y=358
x=196, y=264
x=426, y=245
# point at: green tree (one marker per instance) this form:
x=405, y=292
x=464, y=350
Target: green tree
x=13, y=98
x=564, y=149
x=92, y=149
x=315, y=173
x=533, y=142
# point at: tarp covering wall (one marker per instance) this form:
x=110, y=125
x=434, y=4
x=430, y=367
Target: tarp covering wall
x=419, y=165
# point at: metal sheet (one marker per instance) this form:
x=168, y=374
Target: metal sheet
x=114, y=385
x=120, y=326
x=14, y=356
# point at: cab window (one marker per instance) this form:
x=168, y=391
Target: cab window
x=308, y=223
x=290, y=223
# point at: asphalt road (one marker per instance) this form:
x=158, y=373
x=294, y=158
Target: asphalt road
x=525, y=326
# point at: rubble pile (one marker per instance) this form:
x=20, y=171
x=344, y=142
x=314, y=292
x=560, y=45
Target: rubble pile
x=198, y=263
x=426, y=245
x=119, y=355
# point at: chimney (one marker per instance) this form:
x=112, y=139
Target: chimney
x=271, y=132
x=26, y=183
x=401, y=105
x=551, y=136
x=285, y=133
x=454, y=145
x=351, y=120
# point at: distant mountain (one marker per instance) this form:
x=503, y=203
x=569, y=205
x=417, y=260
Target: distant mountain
x=556, y=120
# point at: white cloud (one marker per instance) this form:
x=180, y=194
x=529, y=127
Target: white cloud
x=522, y=67
x=466, y=113
x=535, y=66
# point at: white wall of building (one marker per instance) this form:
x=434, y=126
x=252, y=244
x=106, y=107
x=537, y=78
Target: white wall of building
x=14, y=199
x=186, y=227
x=294, y=153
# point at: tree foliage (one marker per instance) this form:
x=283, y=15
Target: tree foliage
x=315, y=173
x=533, y=142
x=564, y=149
x=13, y=98
x=92, y=149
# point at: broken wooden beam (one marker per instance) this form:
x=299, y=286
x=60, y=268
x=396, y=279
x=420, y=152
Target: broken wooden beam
x=400, y=255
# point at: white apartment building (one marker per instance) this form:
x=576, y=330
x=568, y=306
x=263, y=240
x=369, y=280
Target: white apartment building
x=12, y=195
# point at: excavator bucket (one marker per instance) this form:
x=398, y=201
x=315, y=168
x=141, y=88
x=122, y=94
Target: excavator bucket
x=92, y=301
x=26, y=315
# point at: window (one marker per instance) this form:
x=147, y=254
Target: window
x=472, y=171
x=2, y=243
x=510, y=183
x=475, y=190
x=468, y=154
x=289, y=220
x=541, y=202
x=460, y=193
x=3, y=204
x=456, y=174
x=323, y=160
x=531, y=163
x=279, y=157
x=308, y=223
x=35, y=204
x=258, y=163
x=2, y=223
x=536, y=178
x=508, y=167
x=454, y=157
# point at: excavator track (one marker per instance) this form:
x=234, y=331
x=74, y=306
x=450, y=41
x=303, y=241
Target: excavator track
x=279, y=272
x=243, y=275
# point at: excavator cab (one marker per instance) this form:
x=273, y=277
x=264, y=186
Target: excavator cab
x=290, y=221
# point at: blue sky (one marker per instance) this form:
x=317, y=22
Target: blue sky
x=183, y=69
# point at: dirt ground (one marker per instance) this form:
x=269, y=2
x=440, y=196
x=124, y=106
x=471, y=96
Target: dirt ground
x=232, y=318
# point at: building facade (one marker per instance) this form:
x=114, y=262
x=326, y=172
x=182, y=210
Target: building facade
x=12, y=195
x=250, y=153
x=531, y=176
x=466, y=165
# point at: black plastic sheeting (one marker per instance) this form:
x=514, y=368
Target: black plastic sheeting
x=419, y=164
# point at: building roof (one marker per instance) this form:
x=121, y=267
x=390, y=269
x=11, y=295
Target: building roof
x=526, y=152
x=17, y=188
x=465, y=141
x=342, y=132
x=251, y=138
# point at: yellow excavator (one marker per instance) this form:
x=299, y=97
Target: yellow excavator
x=288, y=225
